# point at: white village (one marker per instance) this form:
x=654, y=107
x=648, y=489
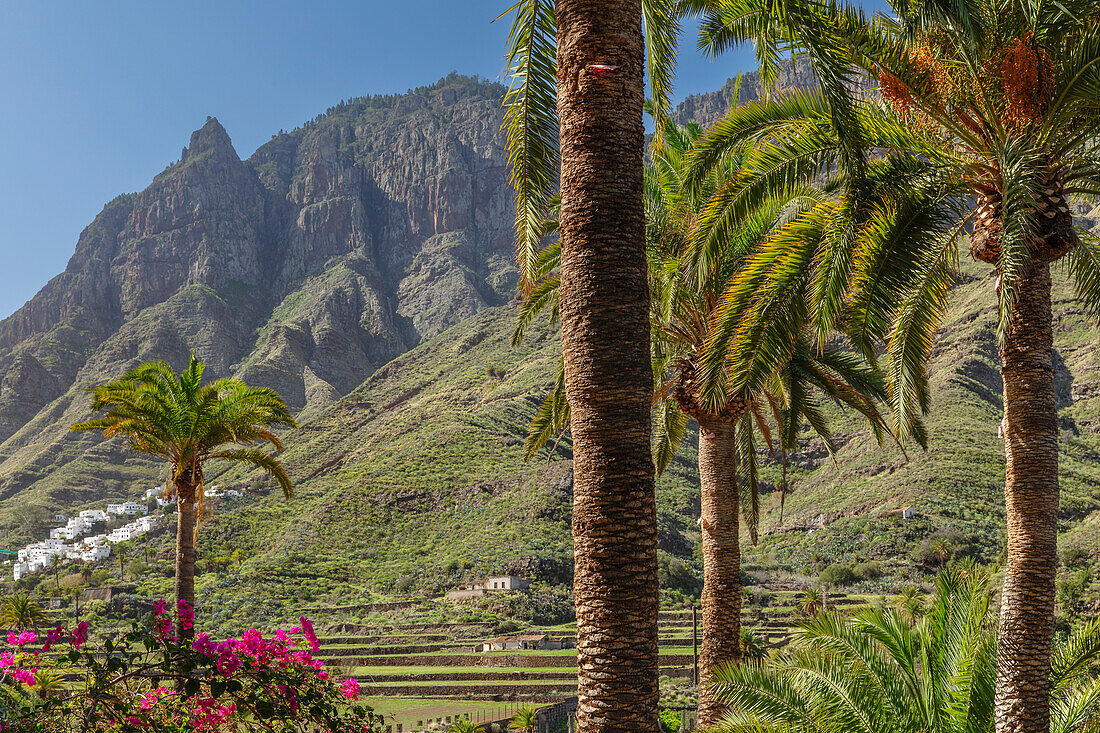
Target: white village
x=77, y=539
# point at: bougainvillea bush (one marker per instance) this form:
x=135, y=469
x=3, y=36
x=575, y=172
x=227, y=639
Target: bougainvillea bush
x=148, y=681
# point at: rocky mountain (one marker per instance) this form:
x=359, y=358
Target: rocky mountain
x=331, y=250
x=362, y=265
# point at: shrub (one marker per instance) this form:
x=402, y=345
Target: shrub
x=836, y=575
x=868, y=571
x=150, y=681
x=939, y=548
x=670, y=720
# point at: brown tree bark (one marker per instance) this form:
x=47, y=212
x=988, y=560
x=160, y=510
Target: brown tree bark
x=185, y=549
x=721, y=547
x=605, y=345
x=1031, y=505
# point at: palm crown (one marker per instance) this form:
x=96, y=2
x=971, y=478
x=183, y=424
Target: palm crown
x=186, y=422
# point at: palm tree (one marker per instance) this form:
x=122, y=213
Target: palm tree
x=20, y=612
x=752, y=648
x=574, y=115
x=463, y=725
x=524, y=721
x=911, y=604
x=179, y=419
x=47, y=683
x=811, y=603
x=876, y=672
x=782, y=393
x=574, y=122
x=992, y=122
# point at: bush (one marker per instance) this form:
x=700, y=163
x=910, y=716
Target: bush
x=941, y=547
x=868, y=571
x=150, y=681
x=670, y=720
x=836, y=575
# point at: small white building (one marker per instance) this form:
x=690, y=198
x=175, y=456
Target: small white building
x=121, y=534
x=95, y=553
x=129, y=508
x=494, y=584
x=146, y=523
x=60, y=518
x=94, y=515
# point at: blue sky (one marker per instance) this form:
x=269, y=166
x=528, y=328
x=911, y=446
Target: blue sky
x=99, y=97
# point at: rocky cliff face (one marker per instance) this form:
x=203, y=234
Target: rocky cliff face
x=331, y=250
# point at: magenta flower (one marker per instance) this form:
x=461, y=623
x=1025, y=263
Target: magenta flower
x=350, y=687
x=185, y=613
x=307, y=630
x=80, y=634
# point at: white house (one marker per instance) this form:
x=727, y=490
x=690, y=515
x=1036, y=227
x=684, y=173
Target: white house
x=494, y=584
x=98, y=552
x=145, y=523
x=521, y=641
x=94, y=515
x=130, y=508
x=60, y=518
x=122, y=534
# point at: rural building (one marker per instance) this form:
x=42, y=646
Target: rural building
x=494, y=584
x=520, y=641
x=130, y=508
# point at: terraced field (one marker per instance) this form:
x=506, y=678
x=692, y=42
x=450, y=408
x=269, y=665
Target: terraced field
x=418, y=672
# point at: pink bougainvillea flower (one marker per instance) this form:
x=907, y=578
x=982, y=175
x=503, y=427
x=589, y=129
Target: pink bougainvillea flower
x=80, y=635
x=350, y=687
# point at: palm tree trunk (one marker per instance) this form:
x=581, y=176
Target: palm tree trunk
x=721, y=561
x=185, y=554
x=1031, y=505
x=605, y=346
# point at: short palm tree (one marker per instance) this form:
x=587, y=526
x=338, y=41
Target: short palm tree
x=811, y=603
x=524, y=721
x=782, y=389
x=911, y=604
x=180, y=420
x=752, y=648
x=463, y=726
x=876, y=672
x=991, y=122
x=47, y=683
x=20, y=612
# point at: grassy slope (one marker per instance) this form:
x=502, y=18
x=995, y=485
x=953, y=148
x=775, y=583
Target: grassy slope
x=958, y=482
x=415, y=480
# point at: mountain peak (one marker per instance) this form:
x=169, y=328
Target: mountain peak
x=211, y=137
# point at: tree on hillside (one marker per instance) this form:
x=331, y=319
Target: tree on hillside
x=876, y=671
x=784, y=392
x=20, y=612
x=181, y=420
x=991, y=121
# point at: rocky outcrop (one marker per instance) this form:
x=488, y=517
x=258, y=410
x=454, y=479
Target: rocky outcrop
x=331, y=250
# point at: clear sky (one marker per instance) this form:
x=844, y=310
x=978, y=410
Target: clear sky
x=98, y=97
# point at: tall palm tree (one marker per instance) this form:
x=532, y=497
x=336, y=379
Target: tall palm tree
x=576, y=105
x=993, y=123
x=179, y=419
x=20, y=612
x=877, y=672
x=782, y=394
